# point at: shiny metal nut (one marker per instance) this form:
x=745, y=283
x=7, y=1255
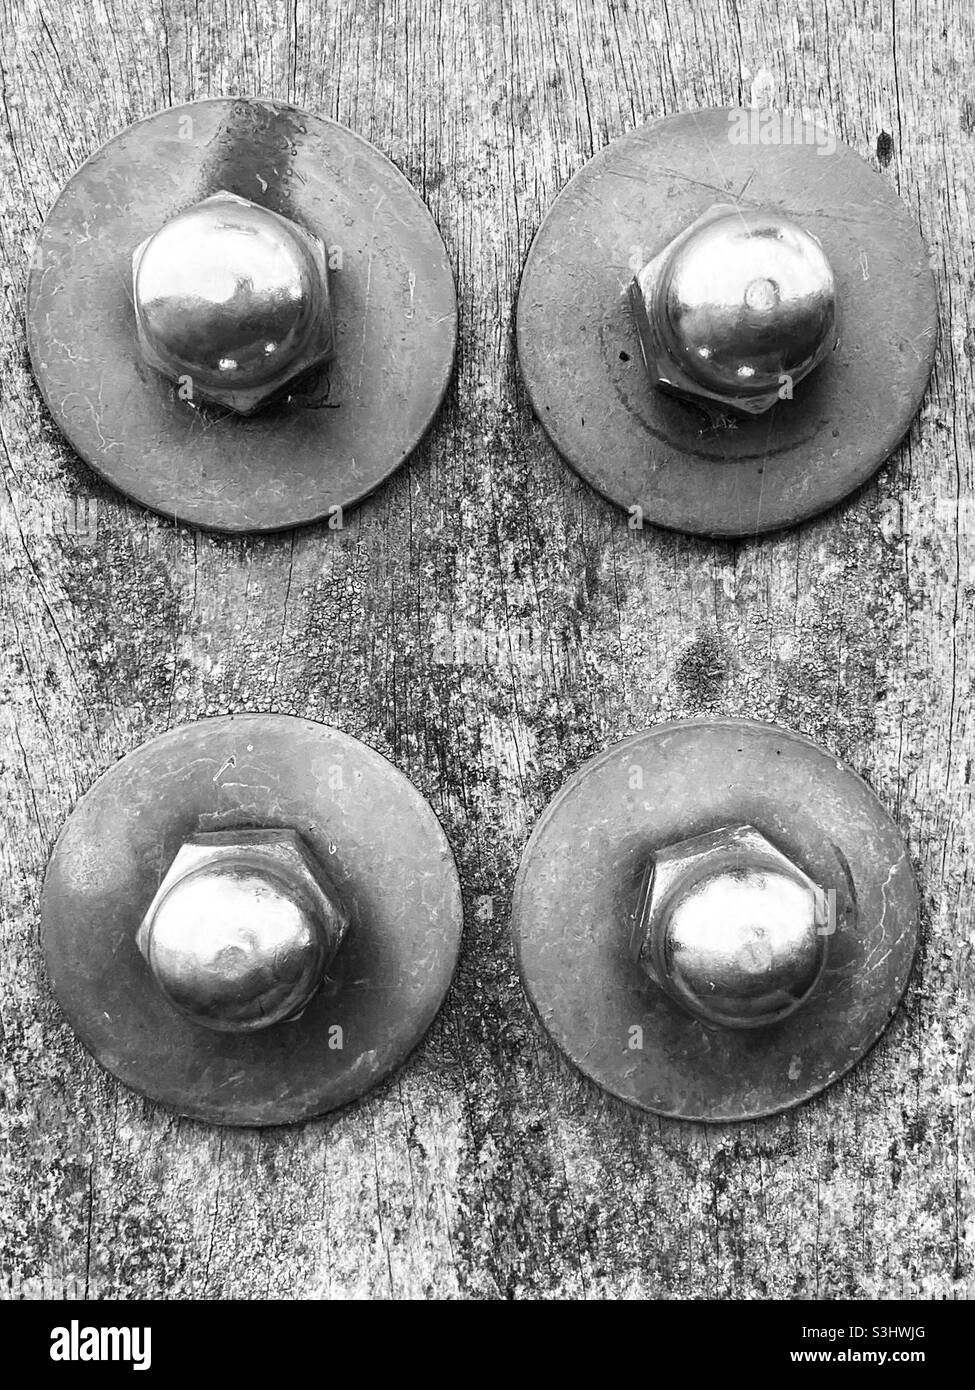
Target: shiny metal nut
x=731, y=928
x=242, y=929
x=232, y=302
x=736, y=310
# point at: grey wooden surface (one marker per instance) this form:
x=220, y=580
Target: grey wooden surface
x=488, y=623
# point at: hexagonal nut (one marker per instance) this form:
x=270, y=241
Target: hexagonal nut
x=754, y=311
x=242, y=929
x=730, y=928
x=232, y=303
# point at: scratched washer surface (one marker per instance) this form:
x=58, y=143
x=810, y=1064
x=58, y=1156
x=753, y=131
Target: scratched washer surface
x=393, y=299
x=386, y=854
x=580, y=354
x=578, y=886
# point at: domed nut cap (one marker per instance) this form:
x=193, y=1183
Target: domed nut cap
x=731, y=928
x=737, y=310
x=242, y=929
x=232, y=302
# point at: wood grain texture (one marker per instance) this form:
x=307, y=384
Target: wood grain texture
x=488, y=623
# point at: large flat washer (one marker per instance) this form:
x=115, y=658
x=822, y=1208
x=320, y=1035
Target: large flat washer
x=578, y=887
x=580, y=354
x=386, y=856
x=393, y=301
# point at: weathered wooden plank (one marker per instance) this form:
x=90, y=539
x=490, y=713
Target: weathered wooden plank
x=488, y=623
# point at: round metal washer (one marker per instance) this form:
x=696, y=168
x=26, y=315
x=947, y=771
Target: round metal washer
x=577, y=891
x=387, y=857
x=393, y=300
x=580, y=353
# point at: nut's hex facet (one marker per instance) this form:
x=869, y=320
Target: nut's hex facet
x=731, y=928
x=232, y=302
x=736, y=310
x=242, y=929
